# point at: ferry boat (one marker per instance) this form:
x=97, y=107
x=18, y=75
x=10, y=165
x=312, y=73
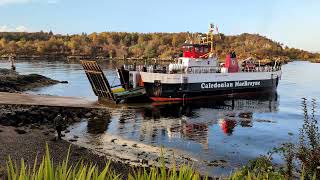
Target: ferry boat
x=198, y=74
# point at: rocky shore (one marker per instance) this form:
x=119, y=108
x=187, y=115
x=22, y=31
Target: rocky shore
x=11, y=81
x=25, y=131
x=26, y=115
x=32, y=144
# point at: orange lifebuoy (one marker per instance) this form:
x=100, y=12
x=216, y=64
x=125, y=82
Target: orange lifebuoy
x=141, y=84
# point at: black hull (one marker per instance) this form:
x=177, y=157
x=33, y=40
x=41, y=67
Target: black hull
x=179, y=92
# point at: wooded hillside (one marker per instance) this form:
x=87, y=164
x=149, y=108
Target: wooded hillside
x=139, y=45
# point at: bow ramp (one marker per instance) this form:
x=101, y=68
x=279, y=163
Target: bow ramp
x=98, y=80
x=105, y=91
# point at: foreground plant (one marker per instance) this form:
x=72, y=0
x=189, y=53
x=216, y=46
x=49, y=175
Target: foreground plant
x=185, y=172
x=259, y=168
x=302, y=160
x=46, y=170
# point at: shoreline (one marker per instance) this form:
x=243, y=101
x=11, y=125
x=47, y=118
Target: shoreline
x=32, y=144
x=26, y=129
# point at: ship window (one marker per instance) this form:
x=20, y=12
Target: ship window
x=186, y=49
x=197, y=49
x=206, y=49
x=190, y=49
x=201, y=49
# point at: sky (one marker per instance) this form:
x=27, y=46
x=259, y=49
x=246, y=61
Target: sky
x=295, y=23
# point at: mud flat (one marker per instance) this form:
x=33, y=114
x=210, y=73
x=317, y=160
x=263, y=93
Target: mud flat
x=131, y=152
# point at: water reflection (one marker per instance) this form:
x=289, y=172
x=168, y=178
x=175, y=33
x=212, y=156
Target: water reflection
x=162, y=123
x=192, y=121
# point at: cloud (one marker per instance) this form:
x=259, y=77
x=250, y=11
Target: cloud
x=53, y=1
x=8, y=2
x=4, y=28
x=21, y=28
x=5, y=2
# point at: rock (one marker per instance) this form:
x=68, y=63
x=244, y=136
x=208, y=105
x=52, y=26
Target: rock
x=141, y=153
x=75, y=137
x=20, y=124
x=14, y=82
x=265, y=120
x=124, y=145
x=1, y=130
x=134, y=145
x=34, y=126
x=113, y=140
x=73, y=140
x=88, y=114
x=231, y=114
x=67, y=131
x=216, y=163
x=245, y=115
x=64, y=82
x=144, y=161
x=20, y=131
x=76, y=119
x=46, y=133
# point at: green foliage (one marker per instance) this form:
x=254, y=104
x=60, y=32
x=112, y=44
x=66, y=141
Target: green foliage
x=306, y=153
x=48, y=171
x=308, y=150
x=185, y=172
x=259, y=168
x=140, y=45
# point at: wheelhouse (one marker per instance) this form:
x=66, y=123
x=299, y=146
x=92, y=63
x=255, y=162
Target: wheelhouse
x=195, y=50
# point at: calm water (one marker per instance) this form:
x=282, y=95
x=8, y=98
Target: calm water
x=208, y=130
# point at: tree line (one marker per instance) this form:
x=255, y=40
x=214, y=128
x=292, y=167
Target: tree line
x=140, y=45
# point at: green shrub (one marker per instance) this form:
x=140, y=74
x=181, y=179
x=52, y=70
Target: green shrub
x=47, y=171
x=259, y=168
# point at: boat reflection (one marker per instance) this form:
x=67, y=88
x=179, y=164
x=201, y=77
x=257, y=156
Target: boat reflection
x=192, y=120
x=162, y=123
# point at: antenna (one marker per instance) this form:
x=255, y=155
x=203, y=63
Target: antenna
x=211, y=29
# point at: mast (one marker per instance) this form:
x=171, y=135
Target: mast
x=210, y=34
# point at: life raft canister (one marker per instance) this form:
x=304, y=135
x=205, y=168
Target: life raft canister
x=141, y=83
